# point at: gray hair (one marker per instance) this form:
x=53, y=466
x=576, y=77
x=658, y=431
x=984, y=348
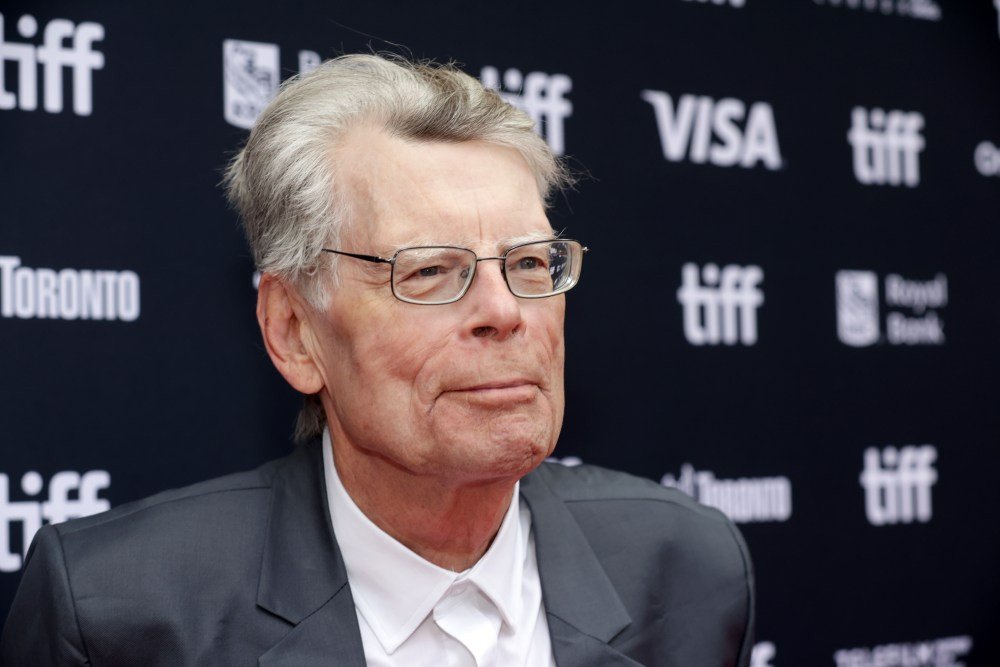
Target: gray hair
x=283, y=181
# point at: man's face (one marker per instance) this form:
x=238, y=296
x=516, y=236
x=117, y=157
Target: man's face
x=467, y=392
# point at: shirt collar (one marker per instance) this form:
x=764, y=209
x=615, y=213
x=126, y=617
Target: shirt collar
x=395, y=589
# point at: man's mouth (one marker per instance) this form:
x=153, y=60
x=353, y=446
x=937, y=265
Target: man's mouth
x=498, y=393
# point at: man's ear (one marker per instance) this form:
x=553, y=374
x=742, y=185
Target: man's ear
x=281, y=315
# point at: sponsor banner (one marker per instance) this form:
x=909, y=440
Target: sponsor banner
x=70, y=495
x=897, y=484
x=251, y=74
x=911, y=315
x=927, y=10
x=944, y=652
x=67, y=294
x=762, y=655
x=542, y=96
x=732, y=3
x=720, y=305
x=987, y=157
x=744, y=500
x=568, y=461
x=886, y=146
x=725, y=132
x=54, y=55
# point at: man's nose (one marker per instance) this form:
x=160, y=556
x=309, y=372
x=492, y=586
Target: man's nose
x=495, y=311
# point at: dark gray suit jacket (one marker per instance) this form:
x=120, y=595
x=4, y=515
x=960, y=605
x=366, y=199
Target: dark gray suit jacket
x=245, y=569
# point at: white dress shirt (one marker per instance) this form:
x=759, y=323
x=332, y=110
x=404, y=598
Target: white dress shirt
x=413, y=613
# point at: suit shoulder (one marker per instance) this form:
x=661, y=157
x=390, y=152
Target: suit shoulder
x=616, y=507
x=593, y=484
x=657, y=544
x=149, y=575
x=199, y=498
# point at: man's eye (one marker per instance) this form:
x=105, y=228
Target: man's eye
x=529, y=263
x=427, y=272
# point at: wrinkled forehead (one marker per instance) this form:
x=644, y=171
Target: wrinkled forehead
x=469, y=194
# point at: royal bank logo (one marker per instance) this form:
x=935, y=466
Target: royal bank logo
x=70, y=496
x=886, y=146
x=67, y=294
x=720, y=305
x=744, y=500
x=251, y=74
x=987, y=157
x=944, y=652
x=857, y=308
x=897, y=484
x=725, y=132
x=911, y=315
x=927, y=10
x=541, y=96
x=55, y=56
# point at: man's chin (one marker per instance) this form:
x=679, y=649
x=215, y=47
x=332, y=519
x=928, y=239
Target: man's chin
x=496, y=442
x=490, y=457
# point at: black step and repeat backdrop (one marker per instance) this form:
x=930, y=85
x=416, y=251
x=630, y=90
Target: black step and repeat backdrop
x=789, y=311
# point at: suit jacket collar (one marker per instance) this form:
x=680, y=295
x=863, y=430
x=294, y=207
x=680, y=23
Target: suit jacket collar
x=583, y=610
x=302, y=574
x=303, y=579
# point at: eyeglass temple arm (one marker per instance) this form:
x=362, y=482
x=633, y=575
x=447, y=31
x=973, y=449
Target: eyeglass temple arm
x=367, y=258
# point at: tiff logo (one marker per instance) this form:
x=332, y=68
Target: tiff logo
x=721, y=306
x=541, y=96
x=886, y=146
x=70, y=496
x=53, y=55
x=700, y=129
x=897, y=484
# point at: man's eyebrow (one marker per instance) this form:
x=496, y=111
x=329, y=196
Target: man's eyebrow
x=501, y=244
x=510, y=242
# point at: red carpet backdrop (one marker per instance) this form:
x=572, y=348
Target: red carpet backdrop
x=789, y=309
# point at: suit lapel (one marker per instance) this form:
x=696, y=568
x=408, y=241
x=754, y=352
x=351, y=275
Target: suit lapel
x=322, y=638
x=303, y=579
x=582, y=607
x=574, y=648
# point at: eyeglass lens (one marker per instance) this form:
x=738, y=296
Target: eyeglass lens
x=440, y=274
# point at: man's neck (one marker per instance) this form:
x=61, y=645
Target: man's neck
x=451, y=526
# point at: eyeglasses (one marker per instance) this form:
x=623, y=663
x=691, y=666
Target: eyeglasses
x=436, y=275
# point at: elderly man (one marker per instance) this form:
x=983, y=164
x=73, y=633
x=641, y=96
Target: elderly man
x=413, y=290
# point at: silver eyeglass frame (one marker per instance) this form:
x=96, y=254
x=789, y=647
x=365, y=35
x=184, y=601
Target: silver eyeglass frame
x=391, y=261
